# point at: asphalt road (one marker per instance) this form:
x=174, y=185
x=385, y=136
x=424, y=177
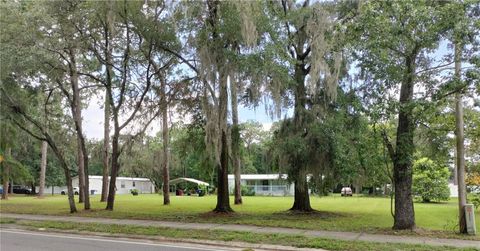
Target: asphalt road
x=34, y=241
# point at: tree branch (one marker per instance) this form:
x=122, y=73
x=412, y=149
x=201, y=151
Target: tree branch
x=389, y=145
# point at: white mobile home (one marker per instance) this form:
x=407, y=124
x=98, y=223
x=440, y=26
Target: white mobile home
x=264, y=184
x=123, y=184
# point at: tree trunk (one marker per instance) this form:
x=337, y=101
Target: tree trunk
x=43, y=169
x=107, y=106
x=223, y=200
x=402, y=167
x=358, y=188
x=71, y=198
x=82, y=155
x=301, y=197
x=81, y=174
x=460, y=149
x=114, y=169
x=235, y=141
x=106, y=142
x=6, y=175
x=165, y=164
x=68, y=177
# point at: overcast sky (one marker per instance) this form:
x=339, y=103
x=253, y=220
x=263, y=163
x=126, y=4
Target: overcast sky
x=93, y=114
x=93, y=118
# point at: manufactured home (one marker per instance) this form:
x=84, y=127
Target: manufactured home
x=124, y=184
x=264, y=184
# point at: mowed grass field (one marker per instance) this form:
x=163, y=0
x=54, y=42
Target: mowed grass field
x=334, y=212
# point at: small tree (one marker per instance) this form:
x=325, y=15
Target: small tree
x=430, y=181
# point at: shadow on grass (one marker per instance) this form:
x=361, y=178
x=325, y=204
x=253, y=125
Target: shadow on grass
x=431, y=202
x=315, y=214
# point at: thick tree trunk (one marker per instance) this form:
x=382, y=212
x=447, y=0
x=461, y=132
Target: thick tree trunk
x=235, y=141
x=460, y=149
x=6, y=175
x=82, y=155
x=43, y=169
x=223, y=201
x=165, y=139
x=402, y=168
x=106, y=143
x=301, y=197
x=113, y=170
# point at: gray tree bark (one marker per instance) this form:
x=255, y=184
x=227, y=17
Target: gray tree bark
x=165, y=139
x=235, y=141
x=223, y=200
x=106, y=143
x=107, y=105
x=6, y=175
x=82, y=155
x=460, y=147
x=43, y=169
x=402, y=160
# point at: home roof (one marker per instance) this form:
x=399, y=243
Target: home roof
x=119, y=178
x=180, y=180
x=273, y=176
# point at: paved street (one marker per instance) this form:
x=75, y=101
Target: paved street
x=34, y=241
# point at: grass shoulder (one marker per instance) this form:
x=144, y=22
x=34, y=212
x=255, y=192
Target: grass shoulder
x=227, y=236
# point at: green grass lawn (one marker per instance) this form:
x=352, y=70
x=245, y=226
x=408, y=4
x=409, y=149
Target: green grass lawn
x=335, y=213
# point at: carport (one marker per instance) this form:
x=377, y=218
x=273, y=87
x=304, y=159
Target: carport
x=177, y=181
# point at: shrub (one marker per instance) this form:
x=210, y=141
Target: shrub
x=430, y=181
x=134, y=191
x=475, y=200
x=247, y=191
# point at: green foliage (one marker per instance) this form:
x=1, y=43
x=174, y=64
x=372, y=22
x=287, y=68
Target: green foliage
x=475, y=200
x=247, y=191
x=430, y=181
x=134, y=191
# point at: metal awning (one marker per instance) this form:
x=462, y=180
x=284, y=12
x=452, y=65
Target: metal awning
x=180, y=180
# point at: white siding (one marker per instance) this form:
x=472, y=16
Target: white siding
x=275, y=186
x=123, y=184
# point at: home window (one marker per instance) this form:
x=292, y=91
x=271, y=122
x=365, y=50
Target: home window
x=122, y=184
x=265, y=185
x=133, y=183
